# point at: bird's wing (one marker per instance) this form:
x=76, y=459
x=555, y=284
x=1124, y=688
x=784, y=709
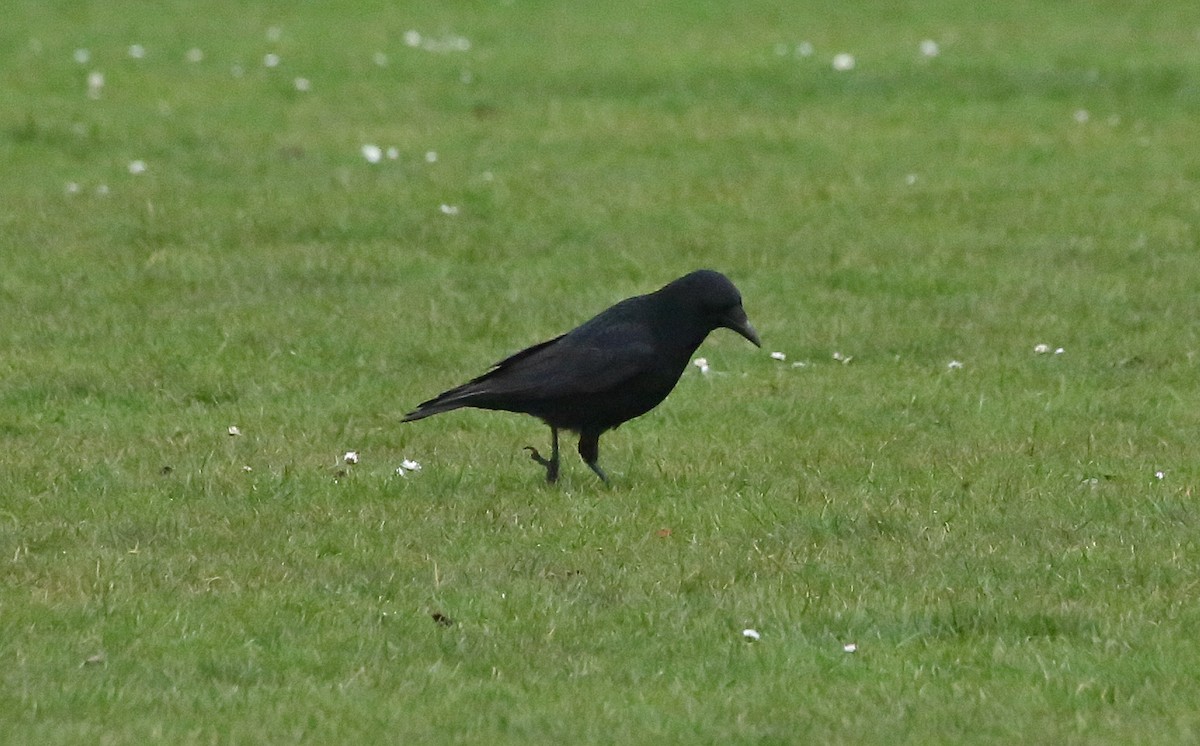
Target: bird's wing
x=575, y=363
x=513, y=358
x=598, y=356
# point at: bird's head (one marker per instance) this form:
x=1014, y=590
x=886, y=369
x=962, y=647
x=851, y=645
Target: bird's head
x=715, y=298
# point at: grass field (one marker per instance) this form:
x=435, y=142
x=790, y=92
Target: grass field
x=194, y=238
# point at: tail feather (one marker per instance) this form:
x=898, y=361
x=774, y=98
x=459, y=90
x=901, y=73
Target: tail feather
x=431, y=408
x=478, y=391
x=455, y=398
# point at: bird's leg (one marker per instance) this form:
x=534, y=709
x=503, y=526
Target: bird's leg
x=589, y=449
x=551, y=463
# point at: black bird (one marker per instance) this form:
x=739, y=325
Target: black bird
x=617, y=366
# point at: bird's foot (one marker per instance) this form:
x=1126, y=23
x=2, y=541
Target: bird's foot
x=550, y=464
x=600, y=473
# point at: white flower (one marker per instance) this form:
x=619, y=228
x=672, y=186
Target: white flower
x=954, y=364
x=137, y=51
x=247, y=468
x=372, y=153
x=234, y=431
x=1082, y=116
x=137, y=167
x=929, y=48
x=843, y=359
x=804, y=49
x=406, y=466
x=1041, y=349
x=1059, y=351
x=431, y=156
x=1160, y=475
x=95, y=83
x=195, y=54
x=843, y=62
x=449, y=209
x=82, y=56
x=350, y=457
x=412, y=38
x=910, y=179
x=271, y=60
x=72, y=187
x=850, y=647
x=702, y=364
x=778, y=356
x=302, y=84
x=751, y=635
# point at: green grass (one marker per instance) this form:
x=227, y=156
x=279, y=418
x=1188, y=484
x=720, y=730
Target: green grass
x=993, y=538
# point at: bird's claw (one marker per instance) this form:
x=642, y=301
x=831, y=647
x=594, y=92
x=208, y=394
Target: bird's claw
x=535, y=456
x=550, y=464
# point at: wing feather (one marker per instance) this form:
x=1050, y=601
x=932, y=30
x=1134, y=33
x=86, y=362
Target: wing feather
x=586, y=361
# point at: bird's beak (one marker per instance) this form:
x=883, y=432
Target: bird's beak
x=736, y=320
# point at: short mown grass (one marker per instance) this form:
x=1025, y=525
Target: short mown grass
x=1007, y=539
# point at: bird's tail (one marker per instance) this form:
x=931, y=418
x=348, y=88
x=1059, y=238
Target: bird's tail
x=478, y=392
x=423, y=411
x=447, y=401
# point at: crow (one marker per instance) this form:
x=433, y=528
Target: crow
x=617, y=366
